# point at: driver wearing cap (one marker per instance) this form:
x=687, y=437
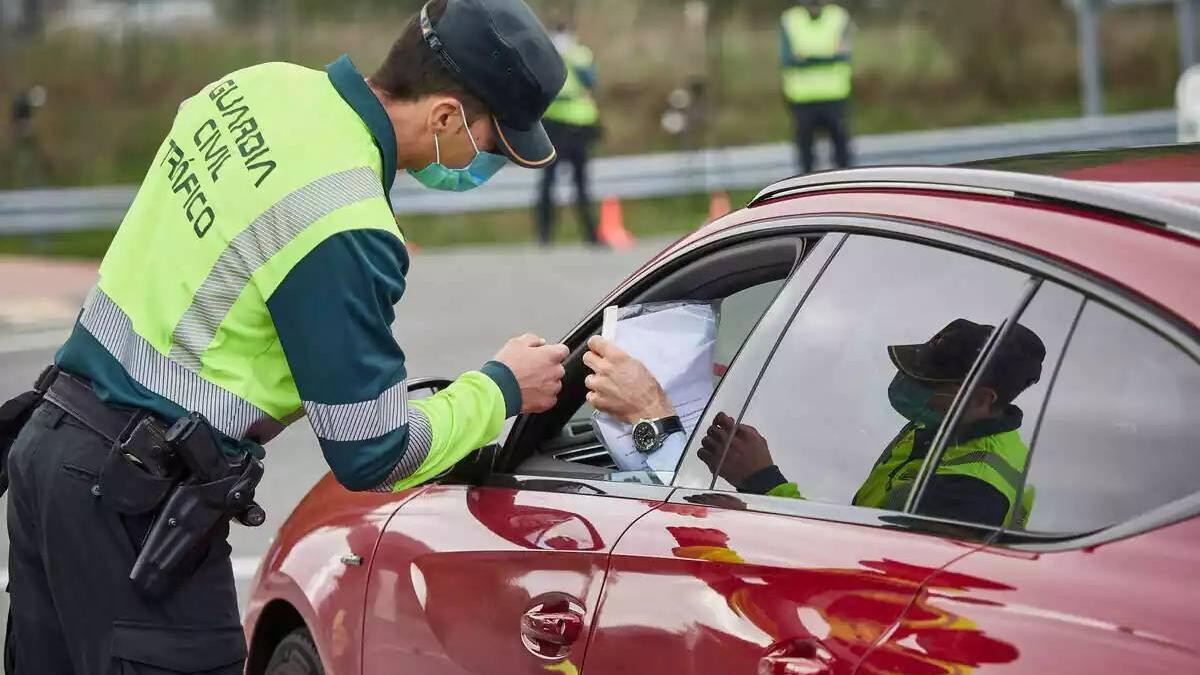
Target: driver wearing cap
x=980, y=472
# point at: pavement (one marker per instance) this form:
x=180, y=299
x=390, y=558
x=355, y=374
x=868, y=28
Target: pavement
x=460, y=308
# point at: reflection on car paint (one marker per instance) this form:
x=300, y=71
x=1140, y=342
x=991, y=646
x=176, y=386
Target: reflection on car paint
x=846, y=608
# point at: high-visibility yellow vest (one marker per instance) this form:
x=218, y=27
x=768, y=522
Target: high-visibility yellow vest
x=231, y=203
x=998, y=460
x=816, y=38
x=574, y=104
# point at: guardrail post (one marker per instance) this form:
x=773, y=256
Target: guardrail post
x=1089, y=58
x=1185, y=11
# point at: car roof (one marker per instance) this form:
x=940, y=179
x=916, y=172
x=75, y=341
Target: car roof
x=1174, y=206
x=1095, y=222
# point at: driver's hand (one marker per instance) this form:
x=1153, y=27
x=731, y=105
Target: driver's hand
x=747, y=452
x=538, y=369
x=622, y=386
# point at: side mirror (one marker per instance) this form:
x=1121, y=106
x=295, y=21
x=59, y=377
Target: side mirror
x=424, y=387
x=474, y=468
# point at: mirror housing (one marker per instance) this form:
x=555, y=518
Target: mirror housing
x=474, y=468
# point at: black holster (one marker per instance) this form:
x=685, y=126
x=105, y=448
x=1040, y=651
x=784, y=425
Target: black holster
x=14, y=414
x=216, y=488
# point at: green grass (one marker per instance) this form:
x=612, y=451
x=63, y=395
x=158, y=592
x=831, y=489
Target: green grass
x=643, y=218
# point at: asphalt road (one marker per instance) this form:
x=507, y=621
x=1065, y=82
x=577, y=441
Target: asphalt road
x=460, y=308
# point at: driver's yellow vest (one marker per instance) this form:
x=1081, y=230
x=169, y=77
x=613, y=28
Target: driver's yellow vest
x=232, y=202
x=998, y=460
x=816, y=38
x=574, y=104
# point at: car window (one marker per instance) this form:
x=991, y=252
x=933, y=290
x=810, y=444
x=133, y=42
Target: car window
x=1119, y=434
x=824, y=416
x=982, y=465
x=577, y=450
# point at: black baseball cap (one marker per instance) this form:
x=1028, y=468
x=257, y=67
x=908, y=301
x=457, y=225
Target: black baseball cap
x=949, y=355
x=504, y=56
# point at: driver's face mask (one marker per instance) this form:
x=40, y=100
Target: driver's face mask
x=438, y=176
x=911, y=399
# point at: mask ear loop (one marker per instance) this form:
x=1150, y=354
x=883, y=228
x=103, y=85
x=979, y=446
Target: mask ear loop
x=437, y=148
x=467, y=126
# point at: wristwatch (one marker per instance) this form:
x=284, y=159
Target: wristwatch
x=648, y=435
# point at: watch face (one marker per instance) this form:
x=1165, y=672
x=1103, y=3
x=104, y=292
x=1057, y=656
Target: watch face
x=644, y=436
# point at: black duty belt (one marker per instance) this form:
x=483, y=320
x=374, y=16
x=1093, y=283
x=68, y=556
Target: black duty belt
x=116, y=424
x=76, y=398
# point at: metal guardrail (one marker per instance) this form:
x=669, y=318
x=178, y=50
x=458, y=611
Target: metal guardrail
x=654, y=175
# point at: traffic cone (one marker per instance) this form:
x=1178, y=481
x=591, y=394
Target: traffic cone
x=718, y=205
x=612, y=225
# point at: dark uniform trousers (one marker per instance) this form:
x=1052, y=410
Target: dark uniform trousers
x=572, y=144
x=73, y=609
x=828, y=116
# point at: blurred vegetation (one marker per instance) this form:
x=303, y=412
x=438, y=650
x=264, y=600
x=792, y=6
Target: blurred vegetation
x=919, y=64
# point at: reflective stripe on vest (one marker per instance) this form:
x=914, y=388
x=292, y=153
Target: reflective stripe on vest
x=816, y=38
x=246, y=184
x=997, y=460
x=574, y=104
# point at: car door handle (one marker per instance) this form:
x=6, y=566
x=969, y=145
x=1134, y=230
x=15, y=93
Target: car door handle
x=805, y=656
x=557, y=628
x=551, y=625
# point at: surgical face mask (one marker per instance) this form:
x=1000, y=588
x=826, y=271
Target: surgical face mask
x=911, y=399
x=438, y=176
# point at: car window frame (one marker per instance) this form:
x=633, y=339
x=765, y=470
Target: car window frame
x=1093, y=287
x=642, y=282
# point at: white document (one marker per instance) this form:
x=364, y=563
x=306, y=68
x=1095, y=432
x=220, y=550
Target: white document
x=675, y=341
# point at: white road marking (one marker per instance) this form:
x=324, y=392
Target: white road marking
x=244, y=568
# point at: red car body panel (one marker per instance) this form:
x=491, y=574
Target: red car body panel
x=1129, y=606
x=694, y=589
x=457, y=567
x=304, y=567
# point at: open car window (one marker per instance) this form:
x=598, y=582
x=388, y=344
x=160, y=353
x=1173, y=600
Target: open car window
x=740, y=282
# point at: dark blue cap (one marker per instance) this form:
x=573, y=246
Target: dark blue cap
x=504, y=56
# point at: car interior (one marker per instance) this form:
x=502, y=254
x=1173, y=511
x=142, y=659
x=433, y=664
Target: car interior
x=741, y=279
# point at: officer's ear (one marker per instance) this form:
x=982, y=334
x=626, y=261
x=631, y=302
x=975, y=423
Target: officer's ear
x=984, y=397
x=444, y=118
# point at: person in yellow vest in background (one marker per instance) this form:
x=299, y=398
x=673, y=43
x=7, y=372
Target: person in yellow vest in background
x=572, y=121
x=815, y=49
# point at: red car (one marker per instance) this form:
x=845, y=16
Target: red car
x=537, y=555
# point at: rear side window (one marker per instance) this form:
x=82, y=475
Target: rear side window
x=821, y=425
x=1119, y=436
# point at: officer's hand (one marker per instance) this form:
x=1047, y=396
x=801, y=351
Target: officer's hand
x=621, y=385
x=747, y=454
x=538, y=369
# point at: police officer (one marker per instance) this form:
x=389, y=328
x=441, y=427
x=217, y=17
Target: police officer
x=980, y=473
x=252, y=281
x=572, y=122
x=815, y=49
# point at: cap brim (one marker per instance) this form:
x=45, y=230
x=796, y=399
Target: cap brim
x=530, y=148
x=911, y=359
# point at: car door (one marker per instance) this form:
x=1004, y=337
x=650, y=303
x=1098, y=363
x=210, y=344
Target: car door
x=726, y=581
x=1102, y=577
x=503, y=576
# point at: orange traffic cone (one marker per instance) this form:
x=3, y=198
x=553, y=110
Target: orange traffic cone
x=612, y=225
x=718, y=205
